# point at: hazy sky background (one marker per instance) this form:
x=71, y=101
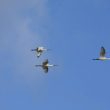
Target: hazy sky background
x=74, y=30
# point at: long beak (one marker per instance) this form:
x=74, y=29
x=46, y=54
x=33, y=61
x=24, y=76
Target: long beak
x=95, y=59
x=38, y=65
x=33, y=49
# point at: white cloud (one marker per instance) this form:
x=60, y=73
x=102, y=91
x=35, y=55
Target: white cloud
x=17, y=37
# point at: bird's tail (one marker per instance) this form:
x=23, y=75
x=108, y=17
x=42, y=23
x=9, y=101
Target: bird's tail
x=48, y=49
x=55, y=65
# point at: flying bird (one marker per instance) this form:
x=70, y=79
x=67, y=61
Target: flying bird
x=39, y=50
x=102, y=55
x=45, y=65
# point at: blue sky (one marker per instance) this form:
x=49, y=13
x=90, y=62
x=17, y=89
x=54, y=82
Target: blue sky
x=74, y=30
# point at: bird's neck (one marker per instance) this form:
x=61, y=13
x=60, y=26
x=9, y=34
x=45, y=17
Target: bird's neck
x=33, y=49
x=96, y=59
x=38, y=65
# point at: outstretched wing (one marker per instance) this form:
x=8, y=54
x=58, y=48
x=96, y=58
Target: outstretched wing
x=102, y=52
x=45, y=62
x=45, y=69
x=39, y=54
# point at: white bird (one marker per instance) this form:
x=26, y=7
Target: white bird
x=45, y=65
x=40, y=50
x=102, y=55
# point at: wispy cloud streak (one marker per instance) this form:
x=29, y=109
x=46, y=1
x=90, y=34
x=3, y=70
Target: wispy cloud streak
x=17, y=36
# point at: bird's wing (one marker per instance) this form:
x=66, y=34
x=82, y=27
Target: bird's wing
x=45, y=62
x=39, y=54
x=45, y=69
x=40, y=49
x=102, y=52
x=37, y=49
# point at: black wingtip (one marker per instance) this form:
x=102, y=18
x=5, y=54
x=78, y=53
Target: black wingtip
x=102, y=47
x=38, y=56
